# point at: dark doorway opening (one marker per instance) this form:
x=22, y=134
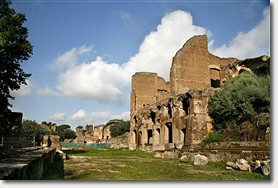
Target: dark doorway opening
x=140, y=138
x=215, y=83
x=170, y=132
x=153, y=116
x=150, y=136
x=184, y=135
x=186, y=105
x=214, y=78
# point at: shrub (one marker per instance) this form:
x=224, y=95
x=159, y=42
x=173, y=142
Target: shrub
x=240, y=99
x=213, y=137
x=119, y=128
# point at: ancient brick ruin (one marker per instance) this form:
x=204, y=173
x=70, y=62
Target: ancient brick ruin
x=167, y=115
x=95, y=134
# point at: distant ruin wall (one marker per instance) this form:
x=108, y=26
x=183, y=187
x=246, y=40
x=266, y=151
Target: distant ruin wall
x=120, y=142
x=29, y=165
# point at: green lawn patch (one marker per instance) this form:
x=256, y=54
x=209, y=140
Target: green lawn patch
x=123, y=164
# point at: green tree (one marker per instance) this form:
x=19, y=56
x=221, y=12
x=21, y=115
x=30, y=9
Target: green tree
x=49, y=124
x=65, y=132
x=240, y=99
x=31, y=128
x=68, y=134
x=63, y=127
x=44, y=122
x=79, y=127
x=119, y=128
x=14, y=49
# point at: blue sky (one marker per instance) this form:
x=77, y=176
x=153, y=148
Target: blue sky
x=85, y=52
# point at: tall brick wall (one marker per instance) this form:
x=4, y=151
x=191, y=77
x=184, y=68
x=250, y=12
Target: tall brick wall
x=194, y=67
x=163, y=89
x=147, y=88
x=172, y=114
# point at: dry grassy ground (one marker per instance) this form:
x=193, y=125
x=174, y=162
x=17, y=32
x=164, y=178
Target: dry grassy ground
x=122, y=164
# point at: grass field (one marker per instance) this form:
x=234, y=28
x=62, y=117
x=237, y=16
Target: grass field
x=123, y=164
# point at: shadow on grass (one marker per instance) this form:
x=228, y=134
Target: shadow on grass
x=74, y=152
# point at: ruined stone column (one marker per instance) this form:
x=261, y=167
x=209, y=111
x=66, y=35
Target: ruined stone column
x=45, y=140
x=156, y=135
x=55, y=141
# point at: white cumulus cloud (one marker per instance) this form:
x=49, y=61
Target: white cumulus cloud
x=253, y=43
x=25, y=90
x=60, y=116
x=103, y=81
x=47, y=91
x=158, y=48
x=79, y=115
x=69, y=59
x=124, y=116
x=96, y=80
x=100, y=115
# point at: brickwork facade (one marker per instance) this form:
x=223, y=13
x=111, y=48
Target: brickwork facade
x=167, y=115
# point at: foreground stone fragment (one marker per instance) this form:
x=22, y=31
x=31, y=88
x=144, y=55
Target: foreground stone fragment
x=200, y=160
x=232, y=165
x=184, y=158
x=243, y=165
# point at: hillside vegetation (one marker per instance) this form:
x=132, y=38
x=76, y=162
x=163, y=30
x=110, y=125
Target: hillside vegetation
x=238, y=105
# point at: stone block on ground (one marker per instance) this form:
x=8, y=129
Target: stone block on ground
x=200, y=160
x=243, y=165
x=232, y=165
x=184, y=158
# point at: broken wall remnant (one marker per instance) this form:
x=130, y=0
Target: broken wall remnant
x=88, y=134
x=80, y=137
x=98, y=133
x=147, y=88
x=194, y=67
x=52, y=141
x=175, y=122
x=94, y=134
x=166, y=115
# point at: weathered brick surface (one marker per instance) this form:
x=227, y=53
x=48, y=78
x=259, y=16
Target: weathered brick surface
x=175, y=113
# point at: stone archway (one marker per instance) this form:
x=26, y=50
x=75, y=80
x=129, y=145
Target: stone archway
x=214, y=76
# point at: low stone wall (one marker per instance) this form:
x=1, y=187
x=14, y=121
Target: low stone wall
x=250, y=144
x=120, y=142
x=27, y=164
x=228, y=155
x=223, y=151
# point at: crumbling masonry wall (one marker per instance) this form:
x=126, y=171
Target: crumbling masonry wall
x=176, y=122
x=166, y=115
x=147, y=88
x=194, y=67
